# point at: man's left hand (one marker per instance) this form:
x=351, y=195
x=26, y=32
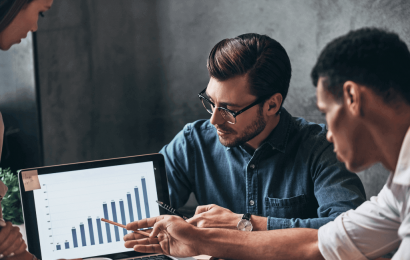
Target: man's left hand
x=214, y=216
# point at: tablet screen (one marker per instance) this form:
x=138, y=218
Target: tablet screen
x=70, y=205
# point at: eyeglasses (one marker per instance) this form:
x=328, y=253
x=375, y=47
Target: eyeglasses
x=227, y=114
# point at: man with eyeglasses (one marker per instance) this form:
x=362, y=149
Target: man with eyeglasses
x=263, y=168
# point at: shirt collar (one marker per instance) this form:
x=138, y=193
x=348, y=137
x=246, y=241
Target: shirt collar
x=402, y=173
x=279, y=136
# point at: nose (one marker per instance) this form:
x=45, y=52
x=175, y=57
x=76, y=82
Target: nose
x=216, y=118
x=329, y=136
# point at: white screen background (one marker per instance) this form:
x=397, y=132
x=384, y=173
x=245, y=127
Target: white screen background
x=68, y=199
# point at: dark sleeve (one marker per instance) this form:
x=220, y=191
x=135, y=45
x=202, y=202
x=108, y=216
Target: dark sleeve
x=336, y=189
x=178, y=155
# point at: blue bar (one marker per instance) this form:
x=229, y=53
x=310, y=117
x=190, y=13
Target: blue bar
x=107, y=226
x=58, y=247
x=74, y=232
x=144, y=191
x=82, y=234
x=114, y=218
x=137, y=200
x=90, y=229
x=100, y=239
x=67, y=245
x=124, y=222
x=130, y=207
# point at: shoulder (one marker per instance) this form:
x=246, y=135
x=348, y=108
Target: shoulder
x=198, y=135
x=309, y=134
x=199, y=130
x=195, y=132
x=199, y=126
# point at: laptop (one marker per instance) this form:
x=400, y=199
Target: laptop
x=63, y=212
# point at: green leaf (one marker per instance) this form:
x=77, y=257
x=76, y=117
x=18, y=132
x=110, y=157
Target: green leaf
x=11, y=204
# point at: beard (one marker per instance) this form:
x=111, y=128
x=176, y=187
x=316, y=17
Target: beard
x=250, y=132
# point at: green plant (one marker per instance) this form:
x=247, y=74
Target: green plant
x=11, y=204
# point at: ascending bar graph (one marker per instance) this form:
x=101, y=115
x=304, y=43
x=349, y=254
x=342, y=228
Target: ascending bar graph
x=130, y=204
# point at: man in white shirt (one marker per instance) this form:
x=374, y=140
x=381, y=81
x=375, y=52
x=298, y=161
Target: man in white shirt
x=363, y=87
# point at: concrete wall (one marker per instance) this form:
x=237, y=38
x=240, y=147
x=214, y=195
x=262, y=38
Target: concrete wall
x=100, y=79
x=18, y=105
x=121, y=77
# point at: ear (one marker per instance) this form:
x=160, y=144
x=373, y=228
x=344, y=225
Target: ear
x=352, y=97
x=272, y=105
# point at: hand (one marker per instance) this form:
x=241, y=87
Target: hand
x=171, y=235
x=11, y=241
x=214, y=216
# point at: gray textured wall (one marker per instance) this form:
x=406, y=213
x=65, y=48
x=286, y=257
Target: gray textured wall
x=121, y=77
x=100, y=79
x=18, y=104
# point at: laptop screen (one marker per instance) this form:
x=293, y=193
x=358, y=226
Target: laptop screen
x=70, y=204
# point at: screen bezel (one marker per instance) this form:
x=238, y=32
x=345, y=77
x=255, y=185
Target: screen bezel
x=27, y=198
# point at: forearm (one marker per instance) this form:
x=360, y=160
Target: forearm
x=279, y=244
x=259, y=223
x=283, y=223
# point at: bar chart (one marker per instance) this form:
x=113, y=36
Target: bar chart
x=97, y=233
x=72, y=210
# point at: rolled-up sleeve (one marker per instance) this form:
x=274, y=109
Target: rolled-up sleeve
x=368, y=232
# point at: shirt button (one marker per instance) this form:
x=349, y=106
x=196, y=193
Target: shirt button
x=252, y=166
x=251, y=202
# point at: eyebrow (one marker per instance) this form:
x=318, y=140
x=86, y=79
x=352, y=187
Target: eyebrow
x=223, y=103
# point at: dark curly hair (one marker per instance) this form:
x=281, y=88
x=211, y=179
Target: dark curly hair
x=260, y=57
x=373, y=57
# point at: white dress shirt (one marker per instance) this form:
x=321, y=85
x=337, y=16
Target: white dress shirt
x=377, y=226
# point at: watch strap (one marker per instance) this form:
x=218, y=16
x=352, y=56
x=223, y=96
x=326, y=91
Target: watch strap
x=247, y=216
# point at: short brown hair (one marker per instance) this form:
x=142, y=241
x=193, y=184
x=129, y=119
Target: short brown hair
x=260, y=57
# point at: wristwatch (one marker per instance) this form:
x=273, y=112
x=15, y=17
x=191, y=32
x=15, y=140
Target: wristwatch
x=245, y=223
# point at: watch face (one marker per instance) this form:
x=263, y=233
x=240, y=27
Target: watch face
x=245, y=225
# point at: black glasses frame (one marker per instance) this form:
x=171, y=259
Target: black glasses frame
x=233, y=113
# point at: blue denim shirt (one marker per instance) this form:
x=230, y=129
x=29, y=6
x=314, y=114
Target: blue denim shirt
x=293, y=178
